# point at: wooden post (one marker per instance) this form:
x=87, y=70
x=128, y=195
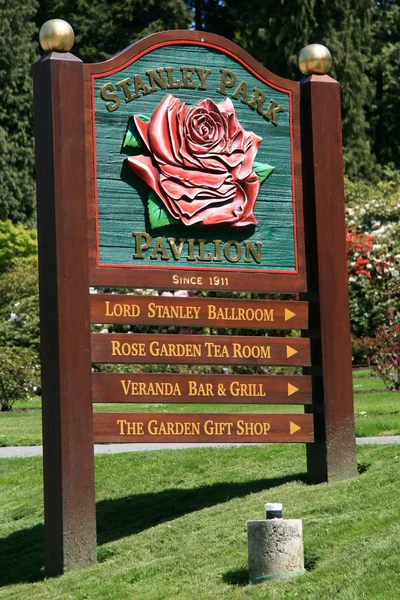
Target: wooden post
x=333, y=455
x=70, y=522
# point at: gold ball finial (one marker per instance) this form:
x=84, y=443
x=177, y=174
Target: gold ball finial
x=315, y=59
x=56, y=35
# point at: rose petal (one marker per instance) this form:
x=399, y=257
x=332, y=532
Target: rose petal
x=143, y=130
x=176, y=115
x=246, y=166
x=239, y=213
x=196, y=178
x=226, y=106
x=160, y=132
x=144, y=168
x=228, y=213
x=181, y=192
x=251, y=188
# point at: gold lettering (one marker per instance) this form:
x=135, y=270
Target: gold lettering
x=176, y=251
x=125, y=386
x=217, y=257
x=171, y=85
x=171, y=428
x=257, y=100
x=203, y=74
x=241, y=91
x=125, y=349
x=254, y=252
x=187, y=78
x=191, y=255
x=115, y=348
x=123, y=85
x=159, y=248
x=134, y=428
x=106, y=95
x=121, y=423
x=202, y=256
x=150, y=427
x=130, y=428
x=244, y=428
x=212, y=311
x=272, y=111
x=224, y=82
x=174, y=350
x=140, y=85
x=227, y=253
x=140, y=246
x=200, y=389
x=156, y=79
x=240, y=351
x=247, y=389
x=216, y=350
x=215, y=428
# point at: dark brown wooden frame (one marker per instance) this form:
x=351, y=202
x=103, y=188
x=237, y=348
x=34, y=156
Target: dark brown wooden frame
x=70, y=515
x=333, y=455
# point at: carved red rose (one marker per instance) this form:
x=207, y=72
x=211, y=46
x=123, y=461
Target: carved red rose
x=199, y=162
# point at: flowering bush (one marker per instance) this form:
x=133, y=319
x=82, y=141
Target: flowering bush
x=19, y=376
x=385, y=359
x=19, y=308
x=373, y=250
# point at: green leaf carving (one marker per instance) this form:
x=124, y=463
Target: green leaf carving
x=132, y=137
x=158, y=214
x=263, y=171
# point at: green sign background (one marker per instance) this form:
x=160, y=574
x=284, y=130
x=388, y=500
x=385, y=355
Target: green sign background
x=122, y=197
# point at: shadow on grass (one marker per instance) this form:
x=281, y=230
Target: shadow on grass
x=121, y=517
x=22, y=556
x=22, y=552
x=362, y=468
x=237, y=577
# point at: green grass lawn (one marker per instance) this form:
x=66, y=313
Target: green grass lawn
x=377, y=412
x=172, y=525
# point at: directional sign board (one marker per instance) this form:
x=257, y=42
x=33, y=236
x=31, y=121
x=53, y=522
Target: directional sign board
x=238, y=428
x=194, y=349
x=198, y=312
x=207, y=389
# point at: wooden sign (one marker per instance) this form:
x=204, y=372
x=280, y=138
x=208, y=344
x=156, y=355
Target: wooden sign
x=197, y=158
x=205, y=389
x=181, y=164
x=198, y=312
x=237, y=428
x=199, y=350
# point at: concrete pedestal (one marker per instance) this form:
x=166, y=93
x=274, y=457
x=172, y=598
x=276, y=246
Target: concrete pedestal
x=275, y=549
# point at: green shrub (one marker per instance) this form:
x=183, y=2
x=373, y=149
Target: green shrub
x=19, y=375
x=18, y=246
x=19, y=308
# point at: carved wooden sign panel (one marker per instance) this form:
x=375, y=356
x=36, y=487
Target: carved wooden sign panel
x=195, y=164
x=203, y=427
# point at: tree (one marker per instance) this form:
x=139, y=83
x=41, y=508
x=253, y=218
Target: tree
x=18, y=51
x=275, y=32
x=105, y=27
x=384, y=71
